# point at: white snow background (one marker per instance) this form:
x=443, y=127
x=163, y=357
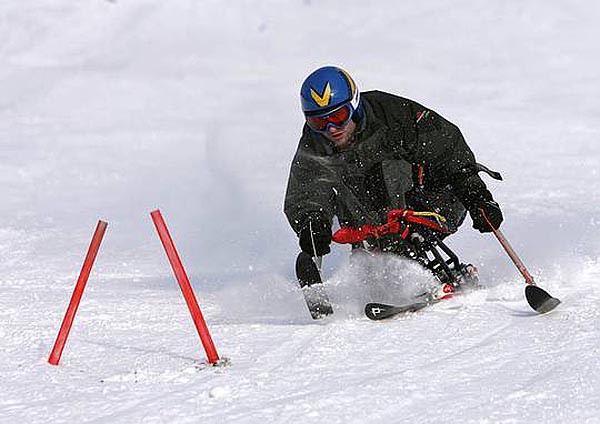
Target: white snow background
x=110, y=109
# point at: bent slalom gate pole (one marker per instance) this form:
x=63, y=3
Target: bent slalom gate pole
x=539, y=299
x=67, y=322
x=186, y=288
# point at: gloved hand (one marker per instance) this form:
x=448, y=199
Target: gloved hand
x=491, y=210
x=321, y=234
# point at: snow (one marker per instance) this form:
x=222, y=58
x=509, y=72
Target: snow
x=110, y=109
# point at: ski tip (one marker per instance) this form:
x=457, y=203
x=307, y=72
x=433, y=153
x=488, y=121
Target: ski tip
x=321, y=313
x=317, y=301
x=377, y=311
x=540, y=300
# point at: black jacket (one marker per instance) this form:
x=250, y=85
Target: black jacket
x=398, y=144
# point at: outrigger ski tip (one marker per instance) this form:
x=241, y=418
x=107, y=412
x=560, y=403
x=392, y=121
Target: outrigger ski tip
x=540, y=300
x=309, y=279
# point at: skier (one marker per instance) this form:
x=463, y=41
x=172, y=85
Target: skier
x=362, y=155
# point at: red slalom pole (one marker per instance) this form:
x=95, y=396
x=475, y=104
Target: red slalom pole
x=186, y=287
x=67, y=322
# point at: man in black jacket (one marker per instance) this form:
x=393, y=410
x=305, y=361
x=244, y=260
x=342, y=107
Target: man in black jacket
x=364, y=154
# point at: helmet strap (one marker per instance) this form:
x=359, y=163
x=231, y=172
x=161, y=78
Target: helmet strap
x=358, y=114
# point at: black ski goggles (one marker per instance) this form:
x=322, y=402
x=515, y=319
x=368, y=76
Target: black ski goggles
x=338, y=119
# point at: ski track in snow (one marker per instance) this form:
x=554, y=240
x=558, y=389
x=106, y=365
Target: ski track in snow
x=110, y=109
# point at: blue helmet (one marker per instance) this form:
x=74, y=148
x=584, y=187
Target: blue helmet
x=327, y=89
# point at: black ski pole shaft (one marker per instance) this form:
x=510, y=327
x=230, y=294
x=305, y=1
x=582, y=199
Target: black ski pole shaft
x=316, y=258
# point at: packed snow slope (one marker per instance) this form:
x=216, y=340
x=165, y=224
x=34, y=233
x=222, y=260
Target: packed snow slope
x=110, y=109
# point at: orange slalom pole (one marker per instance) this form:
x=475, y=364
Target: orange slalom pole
x=67, y=322
x=186, y=287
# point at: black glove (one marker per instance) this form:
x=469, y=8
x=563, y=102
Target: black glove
x=491, y=210
x=473, y=193
x=321, y=234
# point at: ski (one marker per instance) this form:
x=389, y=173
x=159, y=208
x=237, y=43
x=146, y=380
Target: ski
x=317, y=301
x=379, y=311
x=540, y=300
x=314, y=293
